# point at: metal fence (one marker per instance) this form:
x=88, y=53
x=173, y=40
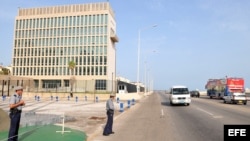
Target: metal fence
x=77, y=86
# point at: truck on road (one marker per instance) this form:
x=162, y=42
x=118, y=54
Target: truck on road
x=215, y=88
x=235, y=91
x=230, y=89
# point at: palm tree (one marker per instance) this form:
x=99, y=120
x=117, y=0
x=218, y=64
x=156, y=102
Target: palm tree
x=72, y=66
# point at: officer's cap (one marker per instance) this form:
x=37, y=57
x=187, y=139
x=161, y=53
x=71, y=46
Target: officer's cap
x=18, y=88
x=113, y=95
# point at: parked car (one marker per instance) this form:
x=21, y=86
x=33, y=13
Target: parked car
x=195, y=93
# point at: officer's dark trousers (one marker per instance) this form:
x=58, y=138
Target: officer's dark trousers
x=109, y=124
x=14, y=126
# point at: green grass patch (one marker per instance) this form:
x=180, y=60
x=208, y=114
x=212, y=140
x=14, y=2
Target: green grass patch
x=46, y=133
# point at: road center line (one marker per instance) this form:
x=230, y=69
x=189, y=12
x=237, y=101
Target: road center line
x=162, y=113
x=205, y=111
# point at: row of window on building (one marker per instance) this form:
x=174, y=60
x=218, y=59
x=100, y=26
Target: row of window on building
x=58, y=71
x=60, y=51
x=99, y=84
x=63, y=41
x=62, y=21
x=48, y=61
x=52, y=32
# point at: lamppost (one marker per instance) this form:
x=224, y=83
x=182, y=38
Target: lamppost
x=146, y=75
x=149, y=79
x=2, y=87
x=9, y=83
x=138, y=56
x=112, y=82
x=94, y=85
x=145, y=78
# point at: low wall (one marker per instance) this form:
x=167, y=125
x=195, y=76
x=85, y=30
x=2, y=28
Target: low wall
x=65, y=95
x=129, y=96
x=90, y=96
x=203, y=92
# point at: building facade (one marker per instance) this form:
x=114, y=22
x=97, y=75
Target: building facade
x=46, y=39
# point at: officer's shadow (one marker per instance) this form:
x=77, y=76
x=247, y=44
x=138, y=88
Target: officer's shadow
x=27, y=134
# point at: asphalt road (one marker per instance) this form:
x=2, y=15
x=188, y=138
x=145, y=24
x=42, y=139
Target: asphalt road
x=153, y=119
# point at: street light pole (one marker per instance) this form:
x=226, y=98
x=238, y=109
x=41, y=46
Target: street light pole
x=138, y=62
x=138, y=57
x=8, y=82
x=2, y=87
x=148, y=81
x=145, y=78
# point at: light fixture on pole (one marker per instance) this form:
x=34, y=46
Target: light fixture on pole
x=138, y=58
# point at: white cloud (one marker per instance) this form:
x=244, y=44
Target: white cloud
x=228, y=14
x=156, y=5
x=233, y=26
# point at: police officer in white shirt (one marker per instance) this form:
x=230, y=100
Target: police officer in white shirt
x=110, y=114
x=15, y=105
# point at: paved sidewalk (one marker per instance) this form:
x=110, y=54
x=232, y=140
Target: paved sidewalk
x=118, y=114
x=131, y=124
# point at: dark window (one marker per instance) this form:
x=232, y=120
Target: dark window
x=101, y=84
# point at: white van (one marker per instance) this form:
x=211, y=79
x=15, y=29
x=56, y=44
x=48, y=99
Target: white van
x=179, y=95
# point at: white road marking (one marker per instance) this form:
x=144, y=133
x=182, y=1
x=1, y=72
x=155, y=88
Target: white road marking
x=205, y=111
x=211, y=114
x=162, y=113
x=217, y=116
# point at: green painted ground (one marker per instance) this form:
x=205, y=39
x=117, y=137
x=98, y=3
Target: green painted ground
x=46, y=133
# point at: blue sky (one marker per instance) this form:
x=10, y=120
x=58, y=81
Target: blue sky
x=194, y=40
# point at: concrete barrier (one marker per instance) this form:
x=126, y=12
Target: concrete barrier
x=128, y=103
x=121, y=107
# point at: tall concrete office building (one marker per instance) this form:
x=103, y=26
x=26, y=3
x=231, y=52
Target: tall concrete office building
x=46, y=39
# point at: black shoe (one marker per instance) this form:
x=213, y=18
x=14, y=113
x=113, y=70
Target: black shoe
x=112, y=132
x=105, y=134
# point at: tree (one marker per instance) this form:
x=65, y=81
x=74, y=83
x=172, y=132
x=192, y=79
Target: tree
x=72, y=66
x=5, y=71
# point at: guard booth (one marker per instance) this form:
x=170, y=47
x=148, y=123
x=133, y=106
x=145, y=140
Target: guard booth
x=125, y=87
x=122, y=88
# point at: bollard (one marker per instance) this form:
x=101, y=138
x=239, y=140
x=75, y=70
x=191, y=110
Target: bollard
x=38, y=98
x=51, y=98
x=133, y=101
x=4, y=97
x=35, y=97
x=68, y=98
x=128, y=103
x=76, y=98
x=96, y=99
x=56, y=98
x=117, y=99
x=121, y=107
x=86, y=98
